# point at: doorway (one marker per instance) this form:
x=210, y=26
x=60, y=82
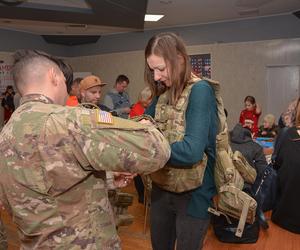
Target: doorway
x=283, y=84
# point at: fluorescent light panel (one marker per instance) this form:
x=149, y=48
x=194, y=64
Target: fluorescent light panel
x=152, y=18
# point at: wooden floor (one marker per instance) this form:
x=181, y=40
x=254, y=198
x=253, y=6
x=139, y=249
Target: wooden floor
x=133, y=237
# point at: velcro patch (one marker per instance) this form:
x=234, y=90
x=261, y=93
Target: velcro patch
x=85, y=119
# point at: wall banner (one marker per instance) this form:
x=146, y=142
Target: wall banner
x=5, y=75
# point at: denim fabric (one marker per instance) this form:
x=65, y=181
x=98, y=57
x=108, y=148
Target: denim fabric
x=170, y=222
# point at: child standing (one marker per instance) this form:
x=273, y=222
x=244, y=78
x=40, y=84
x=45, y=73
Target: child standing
x=250, y=114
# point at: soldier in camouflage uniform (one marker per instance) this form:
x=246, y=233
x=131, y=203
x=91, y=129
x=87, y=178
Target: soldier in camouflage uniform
x=54, y=158
x=90, y=91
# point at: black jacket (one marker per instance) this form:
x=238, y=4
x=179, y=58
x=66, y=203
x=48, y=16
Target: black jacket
x=241, y=140
x=286, y=211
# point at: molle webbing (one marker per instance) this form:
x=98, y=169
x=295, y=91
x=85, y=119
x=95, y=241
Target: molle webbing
x=171, y=121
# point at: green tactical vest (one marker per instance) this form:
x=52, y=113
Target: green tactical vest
x=171, y=121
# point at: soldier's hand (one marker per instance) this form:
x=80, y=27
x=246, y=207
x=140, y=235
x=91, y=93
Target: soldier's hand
x=122, y=179
x=146, y=122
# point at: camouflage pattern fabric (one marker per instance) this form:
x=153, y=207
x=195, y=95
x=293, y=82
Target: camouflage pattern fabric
x=289, y=116
x=52, y=172
x=232, y=201
x=245, y=169
x=230, y=182
x=118, y=200
x=171, y=121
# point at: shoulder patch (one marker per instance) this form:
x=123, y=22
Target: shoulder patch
x=104, y=117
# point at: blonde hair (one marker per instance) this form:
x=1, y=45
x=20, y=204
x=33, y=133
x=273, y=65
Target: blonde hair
x=270, y=118
x=145, y=94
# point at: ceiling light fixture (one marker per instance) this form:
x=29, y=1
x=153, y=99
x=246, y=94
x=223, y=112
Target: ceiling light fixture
x=152, y=18
x=165, y=2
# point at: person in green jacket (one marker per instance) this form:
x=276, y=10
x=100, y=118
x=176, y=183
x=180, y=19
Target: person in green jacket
x=185, y=110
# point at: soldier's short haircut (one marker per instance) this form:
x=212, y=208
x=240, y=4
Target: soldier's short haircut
x=63, y=66
x=29, y=67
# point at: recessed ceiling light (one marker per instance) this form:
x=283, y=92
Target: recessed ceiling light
x=165, y=2
x=153, y=18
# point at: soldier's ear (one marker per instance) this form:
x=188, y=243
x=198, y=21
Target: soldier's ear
x=52, y=76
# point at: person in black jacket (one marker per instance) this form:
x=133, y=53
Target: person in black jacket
x=286, y=212
x=241, y=140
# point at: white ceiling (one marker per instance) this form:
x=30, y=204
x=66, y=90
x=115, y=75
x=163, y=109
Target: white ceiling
x=177, y=13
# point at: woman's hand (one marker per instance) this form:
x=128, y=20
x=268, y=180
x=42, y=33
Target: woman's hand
x=145, y=122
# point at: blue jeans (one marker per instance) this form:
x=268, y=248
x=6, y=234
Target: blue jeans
x=169, y=222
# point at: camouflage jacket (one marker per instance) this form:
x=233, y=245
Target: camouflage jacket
x=52, y=178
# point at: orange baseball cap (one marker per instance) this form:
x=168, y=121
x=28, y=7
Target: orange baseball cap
x=91, y=81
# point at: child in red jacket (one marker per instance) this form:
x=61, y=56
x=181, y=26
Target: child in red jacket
x=145, y=98
x=251, y=113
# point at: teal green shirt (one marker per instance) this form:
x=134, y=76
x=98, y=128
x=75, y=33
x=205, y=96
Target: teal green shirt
x=200, y=136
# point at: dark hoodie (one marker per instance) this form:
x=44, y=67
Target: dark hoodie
x=241, y=140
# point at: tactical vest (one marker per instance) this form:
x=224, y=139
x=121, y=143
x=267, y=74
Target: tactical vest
x=171, y=121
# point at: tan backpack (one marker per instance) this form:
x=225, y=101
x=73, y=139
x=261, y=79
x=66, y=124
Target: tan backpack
x=231, y=171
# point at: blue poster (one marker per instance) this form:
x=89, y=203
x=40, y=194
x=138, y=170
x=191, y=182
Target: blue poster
x=201, y=65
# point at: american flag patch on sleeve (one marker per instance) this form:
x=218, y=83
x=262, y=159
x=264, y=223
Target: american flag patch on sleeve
x=104, y=117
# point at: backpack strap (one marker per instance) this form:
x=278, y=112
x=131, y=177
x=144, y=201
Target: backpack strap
x=221, y=113
x=242, y=221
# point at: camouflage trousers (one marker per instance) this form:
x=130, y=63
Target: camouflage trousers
x=3, y=238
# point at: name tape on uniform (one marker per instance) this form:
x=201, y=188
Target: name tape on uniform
x=104, y=117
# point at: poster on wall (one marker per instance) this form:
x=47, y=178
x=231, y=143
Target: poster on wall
x=201, y=65
x=5, y=76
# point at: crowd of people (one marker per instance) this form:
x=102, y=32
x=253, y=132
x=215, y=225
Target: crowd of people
x=59, y=144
